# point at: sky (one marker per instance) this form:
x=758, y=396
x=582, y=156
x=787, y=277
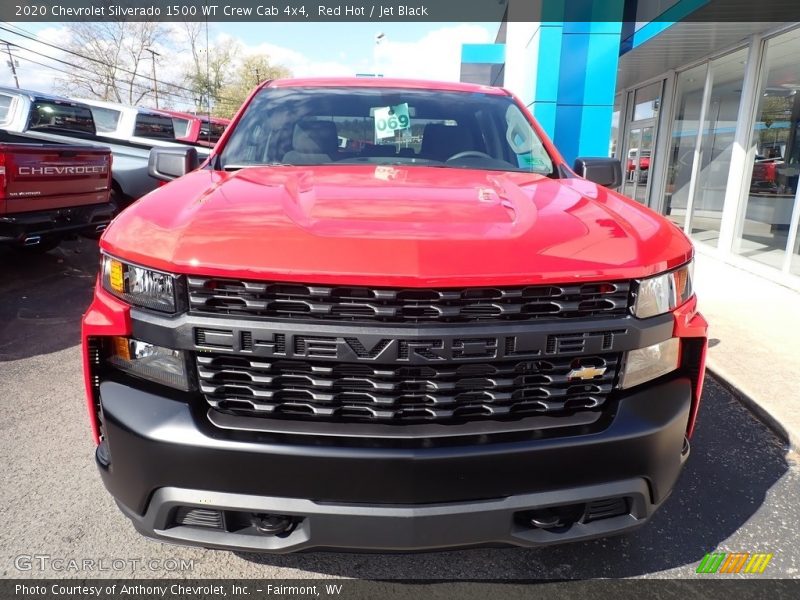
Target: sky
x=418, y=50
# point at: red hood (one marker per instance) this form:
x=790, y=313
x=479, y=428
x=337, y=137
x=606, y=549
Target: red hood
x=410, y=226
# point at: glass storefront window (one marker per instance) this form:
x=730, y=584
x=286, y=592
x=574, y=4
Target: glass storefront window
x=689, y=98
x=719, y=128
x=764, y=224
x=703, y=149
x=794, y=264
x=612, y=147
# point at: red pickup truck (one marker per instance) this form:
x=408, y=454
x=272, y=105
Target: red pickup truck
x=446, y=337
x=49, y=190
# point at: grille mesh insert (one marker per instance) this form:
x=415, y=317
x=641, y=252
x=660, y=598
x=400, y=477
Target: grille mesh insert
x=347, y=303
x=444, y=393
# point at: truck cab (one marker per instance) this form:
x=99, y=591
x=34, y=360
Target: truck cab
x=197, y=128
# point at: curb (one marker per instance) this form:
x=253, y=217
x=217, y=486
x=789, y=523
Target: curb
x=758, y=410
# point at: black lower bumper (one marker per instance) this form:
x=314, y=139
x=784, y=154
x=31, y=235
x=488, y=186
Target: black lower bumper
x=160, y=457
x=16, y=228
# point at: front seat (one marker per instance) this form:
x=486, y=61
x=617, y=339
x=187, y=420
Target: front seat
x=440, y=142
x=313, y=142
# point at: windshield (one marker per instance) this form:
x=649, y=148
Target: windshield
x=323, y=126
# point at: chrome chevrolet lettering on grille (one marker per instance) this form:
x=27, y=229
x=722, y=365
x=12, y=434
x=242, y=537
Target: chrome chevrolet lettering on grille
x=410, y=350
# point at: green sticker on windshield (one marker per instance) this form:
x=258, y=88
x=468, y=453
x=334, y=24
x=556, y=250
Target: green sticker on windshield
x=389, y=119
x=529, y=161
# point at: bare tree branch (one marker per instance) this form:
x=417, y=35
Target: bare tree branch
x=112, y=55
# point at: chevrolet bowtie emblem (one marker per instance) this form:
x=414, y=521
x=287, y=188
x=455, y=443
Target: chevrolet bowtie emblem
x=586, y=372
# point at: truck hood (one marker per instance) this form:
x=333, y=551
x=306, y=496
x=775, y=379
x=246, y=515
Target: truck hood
x=392, y=225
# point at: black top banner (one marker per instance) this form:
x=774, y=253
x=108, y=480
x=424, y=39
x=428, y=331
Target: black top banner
x=402, y=11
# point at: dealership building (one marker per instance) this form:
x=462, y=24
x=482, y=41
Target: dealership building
x=702, y=111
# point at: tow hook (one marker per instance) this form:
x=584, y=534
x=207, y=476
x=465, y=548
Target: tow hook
x=685, y=450
x=271, y=524
x=545, y=519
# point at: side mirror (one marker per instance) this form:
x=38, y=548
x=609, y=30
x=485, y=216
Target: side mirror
x=603, y=171
x=166, y=164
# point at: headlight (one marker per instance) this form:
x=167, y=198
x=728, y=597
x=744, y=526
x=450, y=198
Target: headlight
x=155, y=363
x=645, y=364
x=662, y=293
x=139, y=286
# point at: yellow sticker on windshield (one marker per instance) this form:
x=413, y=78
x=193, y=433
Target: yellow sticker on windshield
x=390, y=119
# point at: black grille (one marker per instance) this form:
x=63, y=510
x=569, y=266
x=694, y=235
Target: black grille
x=447, y=393
x=348, y=303
x=604, y=509
x=199, y=517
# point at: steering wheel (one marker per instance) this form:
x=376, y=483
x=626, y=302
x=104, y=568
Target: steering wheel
x=466, y=153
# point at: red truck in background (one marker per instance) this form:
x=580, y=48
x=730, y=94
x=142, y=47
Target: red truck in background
x=640, y=159
x=197, y=129
x=49, y=190
x=765, y=174
x=438, y=336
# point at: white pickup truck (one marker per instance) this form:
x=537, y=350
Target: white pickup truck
x=136, y=124
x=56, y=119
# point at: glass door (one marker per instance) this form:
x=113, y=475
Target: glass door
x=637, y=161
x=637, y=152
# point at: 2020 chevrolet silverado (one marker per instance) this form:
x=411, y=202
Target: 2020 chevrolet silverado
x=444, y=338
x=49, y=190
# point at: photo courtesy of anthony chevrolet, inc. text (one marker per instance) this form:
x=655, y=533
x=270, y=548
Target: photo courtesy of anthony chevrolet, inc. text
x=369, y=299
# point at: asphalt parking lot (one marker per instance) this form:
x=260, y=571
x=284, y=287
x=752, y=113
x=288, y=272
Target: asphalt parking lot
x=739, y=492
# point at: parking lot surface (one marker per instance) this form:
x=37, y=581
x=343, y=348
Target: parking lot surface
x=740, y=490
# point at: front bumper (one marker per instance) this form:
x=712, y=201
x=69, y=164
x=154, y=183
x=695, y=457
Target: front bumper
x=159, y=455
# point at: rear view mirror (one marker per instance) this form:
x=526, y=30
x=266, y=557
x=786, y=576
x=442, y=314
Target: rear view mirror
x=602, y=171
x=166, y=164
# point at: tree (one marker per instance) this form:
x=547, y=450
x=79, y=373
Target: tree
x=251, y=71
x=111, y=59
x=209, y=70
